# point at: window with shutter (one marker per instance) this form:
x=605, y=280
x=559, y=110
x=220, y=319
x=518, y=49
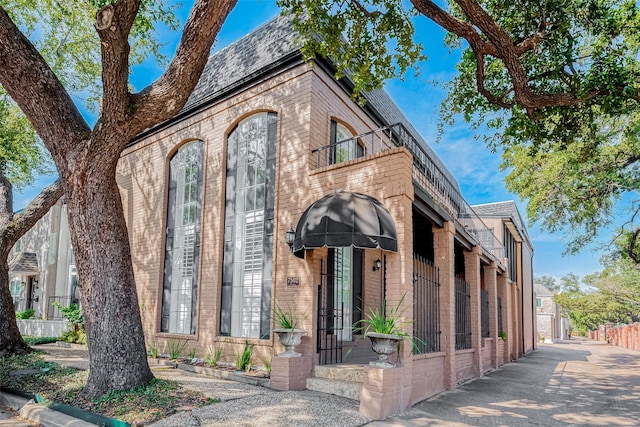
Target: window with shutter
x=182, y=247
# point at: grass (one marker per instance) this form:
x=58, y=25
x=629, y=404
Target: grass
x=243, y=358
x=176, y=348
x=158, y=400
x=214, y=354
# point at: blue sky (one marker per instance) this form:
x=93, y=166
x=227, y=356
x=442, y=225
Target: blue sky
x=474, y=166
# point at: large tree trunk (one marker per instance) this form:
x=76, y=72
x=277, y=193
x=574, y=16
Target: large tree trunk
x=11, y=341
x=117, y=352
x=86, y=159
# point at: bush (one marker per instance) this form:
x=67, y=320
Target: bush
x=26, y=315
x=38, y=340
x=74, y=337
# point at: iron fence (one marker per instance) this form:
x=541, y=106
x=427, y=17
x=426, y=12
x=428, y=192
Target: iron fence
x=484, y=313
x=500, y=315
x=463, y=314
x=426, y=306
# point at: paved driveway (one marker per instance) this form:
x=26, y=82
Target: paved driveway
x=574, y=383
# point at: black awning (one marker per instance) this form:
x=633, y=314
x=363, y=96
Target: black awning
x=345, y=219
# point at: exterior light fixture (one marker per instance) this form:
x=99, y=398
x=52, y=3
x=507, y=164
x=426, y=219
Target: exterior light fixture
x=377, y=265
x=289, y=237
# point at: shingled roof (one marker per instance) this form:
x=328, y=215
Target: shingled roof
x=264, y=50
x=24, y=263
x=506, y=209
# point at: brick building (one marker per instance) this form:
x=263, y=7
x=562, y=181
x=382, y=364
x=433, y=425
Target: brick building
x=550, y=322
x=268, y=144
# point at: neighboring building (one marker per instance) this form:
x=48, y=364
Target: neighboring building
x=267, y=142
x=551, y=324
x=41, y=266
x=505, y=221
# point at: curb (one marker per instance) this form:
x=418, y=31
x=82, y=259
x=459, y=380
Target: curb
x=37, y=413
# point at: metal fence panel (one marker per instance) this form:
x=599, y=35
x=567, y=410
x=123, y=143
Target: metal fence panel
x=426, y=303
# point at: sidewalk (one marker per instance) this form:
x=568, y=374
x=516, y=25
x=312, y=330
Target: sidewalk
x=570, y=383
x=564, y=384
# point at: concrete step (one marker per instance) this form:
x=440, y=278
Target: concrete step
x=343, y=372
x=348, y=389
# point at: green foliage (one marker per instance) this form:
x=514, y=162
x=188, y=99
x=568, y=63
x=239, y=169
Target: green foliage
x=22, y=155
x=243, y=358
x=572, y=163
x=214, y=354
x=502, y=335
x=370, y=40
x=285, y=319
x=609, y=296
x=74, y=336
x=72, y=313
x=157, y=393
x=152, y=350
x=29, y=313
x=34, y=361
x=192, y=354
x=64, y=34
x=266, y=362
x=38, y=340
x=383, y=321
x=176, y=347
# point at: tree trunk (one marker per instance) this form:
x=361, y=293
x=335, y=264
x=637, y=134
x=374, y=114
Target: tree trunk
x=11, y=341
x=117, y=352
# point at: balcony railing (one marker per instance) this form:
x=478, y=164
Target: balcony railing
x=426, y=173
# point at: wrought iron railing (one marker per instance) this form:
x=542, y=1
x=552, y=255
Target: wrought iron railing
x=463, y=314
x=54, y=312
x=426, y=173
x=426, y=306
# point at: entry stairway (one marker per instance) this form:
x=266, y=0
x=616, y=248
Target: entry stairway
x=344, y=379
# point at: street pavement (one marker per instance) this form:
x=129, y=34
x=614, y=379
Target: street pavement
x=10, y=419
x=572, y=383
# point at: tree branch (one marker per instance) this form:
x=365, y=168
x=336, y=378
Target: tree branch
x=167, y=95
x=35, y=88
x=39, y=206
x=113, y=24
x=480, y=78
x=454, y=25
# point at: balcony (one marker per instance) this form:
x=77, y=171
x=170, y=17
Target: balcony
x=426, y=174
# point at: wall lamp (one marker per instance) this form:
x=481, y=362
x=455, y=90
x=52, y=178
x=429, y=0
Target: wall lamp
x=289, y=237
x=377, y=265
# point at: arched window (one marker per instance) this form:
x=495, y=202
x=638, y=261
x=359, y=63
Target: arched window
x=248, y=235
x=344, y=146
x=182, y=247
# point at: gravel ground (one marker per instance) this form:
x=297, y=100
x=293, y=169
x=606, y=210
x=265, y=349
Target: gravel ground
x=272, y=408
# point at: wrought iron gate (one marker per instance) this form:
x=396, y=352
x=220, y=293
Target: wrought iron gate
x=330, y=320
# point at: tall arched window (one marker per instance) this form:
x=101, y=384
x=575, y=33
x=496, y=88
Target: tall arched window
x=248, y=235
x=182, y=248
x=344, y=146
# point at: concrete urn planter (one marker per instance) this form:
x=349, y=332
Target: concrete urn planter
x=384, y=345
x=290, y=338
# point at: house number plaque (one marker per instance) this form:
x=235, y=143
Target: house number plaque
x=293, y=281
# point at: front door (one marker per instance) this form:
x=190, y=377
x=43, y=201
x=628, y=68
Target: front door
x=345, y=269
